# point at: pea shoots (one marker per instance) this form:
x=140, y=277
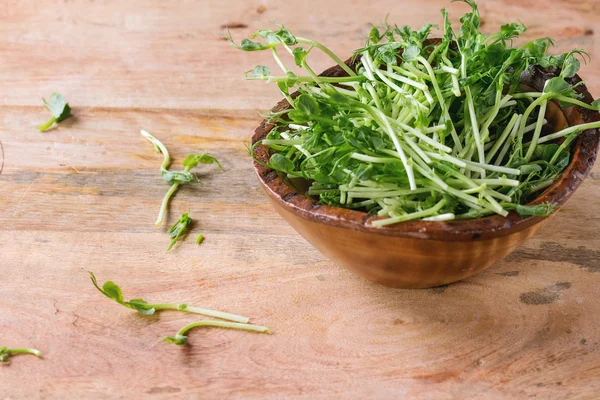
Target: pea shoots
x=180, y=338
x=58, y=107
x=6, y=353
x=179, y=229
x=415, y=130
x=114, y=292
x=176, y=178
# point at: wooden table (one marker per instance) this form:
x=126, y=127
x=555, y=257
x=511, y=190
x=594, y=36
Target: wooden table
x=84, y=197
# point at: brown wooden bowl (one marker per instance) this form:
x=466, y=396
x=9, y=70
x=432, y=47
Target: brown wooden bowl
x=422, y=254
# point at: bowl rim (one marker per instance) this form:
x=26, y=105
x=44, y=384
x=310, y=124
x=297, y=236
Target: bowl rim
x=583, y=155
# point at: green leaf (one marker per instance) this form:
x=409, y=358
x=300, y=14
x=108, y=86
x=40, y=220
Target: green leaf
x=388, y=53
x=283, y=86
x=282, y=35
x=58, y=107
x=307, y=104
x=261, y=71
x=199, y=239
x=374, y=37
x=411, y=53
x=570, y=67
x=424, y=32
x=268, y=35
x=280, y=163
x=559, y=86
x=541, y=210
x=109, y=289
x=178, y=176
x=113, y=291
x=141, y=306
x=529, y=168
x=286, y=36
x=179, y=229
x=298, y=116
x=512, y=30
x=539, y=47
x=563, y=160
x=192, y=160
x=548, y=151
x=299, y=55
x=249, y=45
x=596, y=104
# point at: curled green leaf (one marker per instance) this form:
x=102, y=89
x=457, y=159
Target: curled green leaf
x=260, y=71
x=179, y=229
x=570, y=66
x=299, y=55
x=540, y=210
x=411, y=53
x=172, y=177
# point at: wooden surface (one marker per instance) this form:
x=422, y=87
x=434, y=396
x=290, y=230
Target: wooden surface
x=84, y=197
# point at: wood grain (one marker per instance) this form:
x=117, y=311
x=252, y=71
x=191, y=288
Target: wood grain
x=84, y=197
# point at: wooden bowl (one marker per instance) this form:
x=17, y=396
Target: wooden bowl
x=422, y=254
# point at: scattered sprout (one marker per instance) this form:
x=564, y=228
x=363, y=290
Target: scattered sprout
x=59, y=108
x=176, y=178
x=178, y=229
x=180, y=339
x=6, y=353
x=113, y=291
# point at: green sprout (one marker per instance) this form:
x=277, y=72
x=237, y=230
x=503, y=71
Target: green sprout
x=176, y=178
x=199, y=239
x=180, y=338
x=113, y=291
x=6, y=353
x=59, y=108
x=179, y=229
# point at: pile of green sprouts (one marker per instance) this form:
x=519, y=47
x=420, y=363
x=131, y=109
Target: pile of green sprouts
x=421, y=130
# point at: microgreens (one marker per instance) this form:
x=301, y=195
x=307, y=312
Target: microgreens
x=179, y=229
x=113, y=291
x=176, y=178
x=59, y=108
x=6, y=353
x=414, y=130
